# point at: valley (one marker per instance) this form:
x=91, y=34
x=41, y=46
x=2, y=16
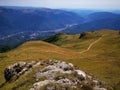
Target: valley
x=44, y=31
x=16, y=39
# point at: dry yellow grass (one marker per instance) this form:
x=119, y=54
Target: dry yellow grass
x=102, y=59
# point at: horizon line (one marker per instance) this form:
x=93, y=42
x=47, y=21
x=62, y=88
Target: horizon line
x=58, y=8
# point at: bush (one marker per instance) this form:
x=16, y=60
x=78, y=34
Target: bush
x=4, y=48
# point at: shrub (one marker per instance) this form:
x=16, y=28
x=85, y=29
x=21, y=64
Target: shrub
x=4, y=48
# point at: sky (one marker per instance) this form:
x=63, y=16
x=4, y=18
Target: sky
x=81, y=4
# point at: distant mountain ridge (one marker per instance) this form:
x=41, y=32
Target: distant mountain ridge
x=97, y=21
x=34, y=19
x=101, y=15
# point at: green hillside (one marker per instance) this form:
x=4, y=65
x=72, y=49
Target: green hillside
x=95, y=52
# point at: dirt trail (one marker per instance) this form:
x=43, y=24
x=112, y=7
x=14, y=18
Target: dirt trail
x=89, y=47
x=92, y=44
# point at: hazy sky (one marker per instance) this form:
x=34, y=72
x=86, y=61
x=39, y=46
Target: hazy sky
x=88, y=4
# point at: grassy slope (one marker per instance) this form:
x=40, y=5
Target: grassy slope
x=102, y=60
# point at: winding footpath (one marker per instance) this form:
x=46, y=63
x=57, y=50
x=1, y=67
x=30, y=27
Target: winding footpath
x=89, y=47
x=92, y=44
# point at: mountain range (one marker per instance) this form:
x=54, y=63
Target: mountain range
x=97, y=21
x=21, y=24
x=15, y=20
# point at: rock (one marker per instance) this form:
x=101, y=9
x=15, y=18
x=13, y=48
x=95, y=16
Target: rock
x=89, y=77
x=70, y=64
x=38, y=85
x=51, y=70
x=62, y=73
x=22, y=64
x=51, y=88
x=98, y=88
x=80, y=72
x=65, y=81
x=13, y=70
x=17, y=69
x=37, y=64
x=56, y=75
x=95, y=82
x=8, y=74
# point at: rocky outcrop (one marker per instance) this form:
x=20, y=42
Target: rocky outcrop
x=56, y=75
x=66, y=74
x=17, y=69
